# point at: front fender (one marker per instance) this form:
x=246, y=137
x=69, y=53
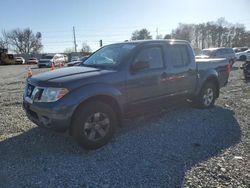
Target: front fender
x=81, y=94
x=91, y=90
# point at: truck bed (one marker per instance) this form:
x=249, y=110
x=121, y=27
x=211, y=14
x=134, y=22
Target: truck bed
x=220, y=65
x=211, y=63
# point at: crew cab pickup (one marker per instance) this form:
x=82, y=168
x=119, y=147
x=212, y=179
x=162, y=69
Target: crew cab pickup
x=90, y=100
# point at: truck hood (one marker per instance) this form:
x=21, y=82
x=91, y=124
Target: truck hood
x=66, y=74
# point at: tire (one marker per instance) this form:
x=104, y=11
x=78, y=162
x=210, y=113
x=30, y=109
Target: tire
x=94, y=125
x=243, y=58
x=206, y=98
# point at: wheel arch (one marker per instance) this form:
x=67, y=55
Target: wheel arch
x=214, y=80
x=104, y=98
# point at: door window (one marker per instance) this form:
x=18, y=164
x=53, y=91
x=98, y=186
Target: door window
x=152, y=55
x=180, y=56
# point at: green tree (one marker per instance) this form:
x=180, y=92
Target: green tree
x=167, y=36
x=142, y=34
x=183, y=32
x=69, y=50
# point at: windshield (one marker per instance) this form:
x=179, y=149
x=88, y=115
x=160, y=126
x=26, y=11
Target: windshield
x=82, y=59
x=47, y=57
x=111, y=55
x=207, y=52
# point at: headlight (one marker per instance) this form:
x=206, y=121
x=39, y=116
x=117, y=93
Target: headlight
x=52, y=94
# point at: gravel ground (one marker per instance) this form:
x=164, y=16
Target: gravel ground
x=177, y=146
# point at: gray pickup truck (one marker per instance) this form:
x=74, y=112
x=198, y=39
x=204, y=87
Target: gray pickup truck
x=90, y=100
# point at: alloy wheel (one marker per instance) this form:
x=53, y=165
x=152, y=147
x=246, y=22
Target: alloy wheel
x=97, y=126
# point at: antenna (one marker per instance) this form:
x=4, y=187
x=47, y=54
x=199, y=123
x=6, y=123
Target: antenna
x=157, y=34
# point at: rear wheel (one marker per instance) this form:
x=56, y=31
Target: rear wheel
x=94, y=125
x=206, y=98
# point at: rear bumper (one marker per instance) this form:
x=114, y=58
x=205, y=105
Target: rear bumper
x=45, y=116
x=19, y=62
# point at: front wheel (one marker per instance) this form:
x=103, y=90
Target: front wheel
x=206, y=98
x=94, y=125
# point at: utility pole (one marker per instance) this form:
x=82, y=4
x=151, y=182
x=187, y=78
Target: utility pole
x=100, y=42
x=157, y=33
x=74, y=38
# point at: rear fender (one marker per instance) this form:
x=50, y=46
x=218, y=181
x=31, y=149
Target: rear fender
x=207, y=76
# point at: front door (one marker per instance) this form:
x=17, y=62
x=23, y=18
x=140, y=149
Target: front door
x=145, y=84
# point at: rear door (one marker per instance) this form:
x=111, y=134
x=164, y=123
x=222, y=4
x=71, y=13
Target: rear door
x=182, y=71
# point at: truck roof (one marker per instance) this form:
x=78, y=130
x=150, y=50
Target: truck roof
x=169, y=41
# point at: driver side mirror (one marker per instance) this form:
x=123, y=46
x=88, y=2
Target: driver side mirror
x=139, y=65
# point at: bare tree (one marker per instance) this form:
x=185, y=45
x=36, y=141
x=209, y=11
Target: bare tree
x=24, y=41
x=85, y=48
x=213, y=34
x=4, y=40
x=159, y=36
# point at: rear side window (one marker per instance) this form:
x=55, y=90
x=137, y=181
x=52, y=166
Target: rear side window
x=180, y=55
x=219, y=52
x=225, y=51
x=230, y=51
x=152, y=55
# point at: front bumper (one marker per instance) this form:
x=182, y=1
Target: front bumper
x=45, y=115
x=19, y=62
